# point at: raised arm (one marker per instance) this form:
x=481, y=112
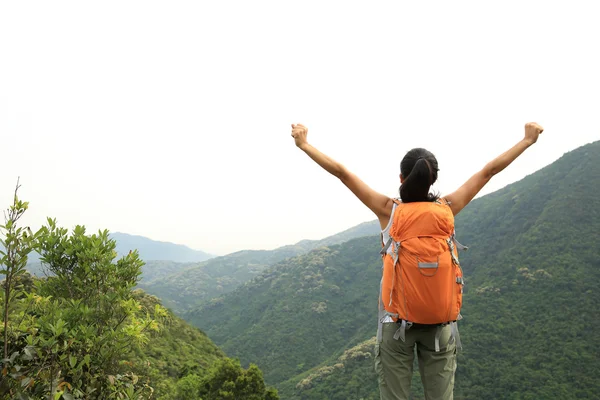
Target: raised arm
x=460, y=198
x=380, y=204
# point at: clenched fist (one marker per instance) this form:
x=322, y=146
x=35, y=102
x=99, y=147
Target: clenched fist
x=532, y=131
x=299, y=133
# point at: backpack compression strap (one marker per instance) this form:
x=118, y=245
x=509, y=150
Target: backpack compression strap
x=383, y=314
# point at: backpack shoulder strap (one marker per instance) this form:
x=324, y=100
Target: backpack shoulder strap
x=386, y=245
x=443, y=201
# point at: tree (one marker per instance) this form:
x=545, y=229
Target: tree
x=18, y=242
x=70, y=336
x=226, y=380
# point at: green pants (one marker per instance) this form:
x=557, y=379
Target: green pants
x=394, y=361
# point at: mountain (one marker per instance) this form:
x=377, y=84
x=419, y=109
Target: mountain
x=220, y=275
x=530, y=309
x=365, y=229
x=155, y=250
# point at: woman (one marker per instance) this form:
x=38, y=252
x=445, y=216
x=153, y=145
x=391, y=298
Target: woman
x=421, y=288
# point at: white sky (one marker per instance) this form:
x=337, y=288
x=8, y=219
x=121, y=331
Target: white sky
x=171, y=119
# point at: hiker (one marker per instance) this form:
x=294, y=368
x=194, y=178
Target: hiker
x=421, y=286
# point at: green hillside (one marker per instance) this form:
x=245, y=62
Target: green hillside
x=177, y=350
x=155, y=270
x=303, y=303
x=530, y=309
x=218, y=276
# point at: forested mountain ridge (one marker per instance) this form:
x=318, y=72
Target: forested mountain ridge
x=530, y=306
x=304, y=302
x=180, y=359
x=213, y=278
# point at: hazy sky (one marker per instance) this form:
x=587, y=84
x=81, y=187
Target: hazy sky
x=172, y=119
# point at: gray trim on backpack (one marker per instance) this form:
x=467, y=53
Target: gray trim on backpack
x=438, y=334
x=385, y=248
x=382, y=314
x=454, y=335
x=401, y=332
x=457, y=243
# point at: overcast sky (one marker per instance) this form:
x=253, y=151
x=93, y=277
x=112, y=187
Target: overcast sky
x=172, y=119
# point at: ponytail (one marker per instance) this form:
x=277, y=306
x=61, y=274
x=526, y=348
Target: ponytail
x=419, y=170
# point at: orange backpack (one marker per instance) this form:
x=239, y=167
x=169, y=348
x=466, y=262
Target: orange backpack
x=422, y=280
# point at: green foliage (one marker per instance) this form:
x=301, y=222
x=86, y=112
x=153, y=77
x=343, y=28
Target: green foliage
x=530, y=304
x=75, y=326
x=18, y=243
x=175, y=352
x=226, y=380
x=181, y=360
x=155, y=271
x=84, y=333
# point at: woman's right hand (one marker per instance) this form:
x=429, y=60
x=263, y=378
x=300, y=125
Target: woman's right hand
x=464, y=194
x=532, y=132
x=299, y=133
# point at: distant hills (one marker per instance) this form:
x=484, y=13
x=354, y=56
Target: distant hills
x=158, y=251
x=530, y=311
x=217, y=276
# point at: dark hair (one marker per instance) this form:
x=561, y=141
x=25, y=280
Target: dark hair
x=419, y=169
